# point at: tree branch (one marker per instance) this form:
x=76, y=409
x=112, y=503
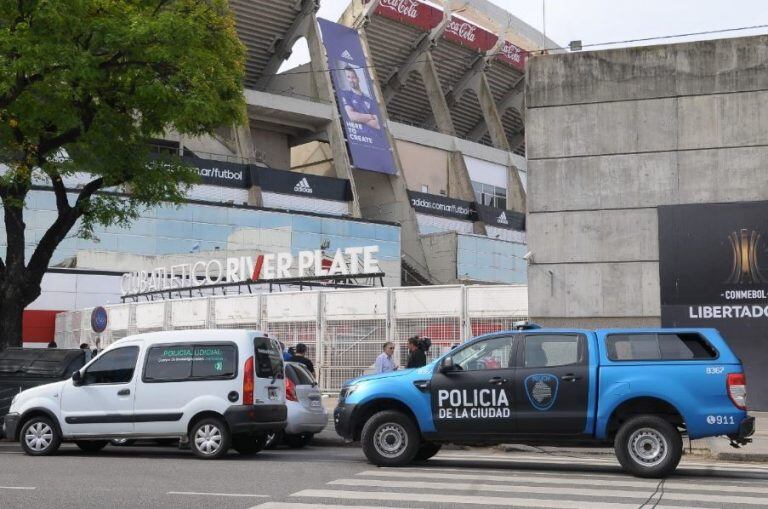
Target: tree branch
x=62, y=202
x=44, y=250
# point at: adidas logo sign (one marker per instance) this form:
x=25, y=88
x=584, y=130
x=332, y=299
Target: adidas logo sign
x=303, y=186
x=502, y=219
x=346, y=55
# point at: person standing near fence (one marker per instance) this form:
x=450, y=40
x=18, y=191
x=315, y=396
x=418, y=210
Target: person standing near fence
x=416, y=358
x=385, y=361
x=300, y=356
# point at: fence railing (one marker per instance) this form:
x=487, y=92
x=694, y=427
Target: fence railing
x=344, y=330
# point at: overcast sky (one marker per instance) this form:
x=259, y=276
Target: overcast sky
x=600, y=21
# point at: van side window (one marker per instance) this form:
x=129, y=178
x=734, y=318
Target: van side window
x=550, y=350
x=269, y=359
x=655, y=347
x=113, y=367
x=178, y=362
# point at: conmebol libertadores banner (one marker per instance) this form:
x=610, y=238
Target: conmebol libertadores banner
x=364, y=128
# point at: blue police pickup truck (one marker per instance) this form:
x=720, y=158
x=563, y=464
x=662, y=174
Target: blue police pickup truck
x=639, y=390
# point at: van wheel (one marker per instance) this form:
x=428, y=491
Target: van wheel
x=298, y=441
x=91, y=445
x=427, y=450
x=210, y=438
x=246, y=443
x=390, y=439
x=648, y=446
x=39, y=437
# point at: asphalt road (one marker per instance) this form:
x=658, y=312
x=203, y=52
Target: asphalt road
x=331, y=475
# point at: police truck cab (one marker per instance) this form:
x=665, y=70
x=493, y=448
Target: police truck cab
x=638, y=390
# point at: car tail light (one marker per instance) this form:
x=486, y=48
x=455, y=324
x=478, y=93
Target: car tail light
x=290, y=390
x=248, y=375
x=737, y=389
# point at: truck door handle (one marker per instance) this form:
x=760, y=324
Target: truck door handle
x=497, y=380
x=570, y=378
x=123, y=392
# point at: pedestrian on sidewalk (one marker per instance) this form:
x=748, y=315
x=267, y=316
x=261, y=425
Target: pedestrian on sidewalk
x=385, y=362
x=416, y=358
x=300, y=355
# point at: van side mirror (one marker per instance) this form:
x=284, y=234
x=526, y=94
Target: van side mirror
x=446, y=365
x=77, y=378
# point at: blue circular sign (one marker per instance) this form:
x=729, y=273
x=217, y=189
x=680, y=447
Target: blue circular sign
x=99, y=319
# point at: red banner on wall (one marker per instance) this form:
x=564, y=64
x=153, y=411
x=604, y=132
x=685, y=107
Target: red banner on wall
x=465, y=33
x=513, y=55
x=411, y=12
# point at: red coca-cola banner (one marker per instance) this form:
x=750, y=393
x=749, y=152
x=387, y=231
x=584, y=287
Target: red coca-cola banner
x=513, y=55
x=468, y=34
x=411, y=12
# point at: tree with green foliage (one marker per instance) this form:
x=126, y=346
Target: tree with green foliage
x=84, y=86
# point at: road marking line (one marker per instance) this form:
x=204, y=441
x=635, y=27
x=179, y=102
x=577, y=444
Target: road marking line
x=565, y=479
x=200, y=494
x=547, y=490
x=462, y=499
x=286, y=505
x=17, y=488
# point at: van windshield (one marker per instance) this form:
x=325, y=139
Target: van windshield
x=269, y=359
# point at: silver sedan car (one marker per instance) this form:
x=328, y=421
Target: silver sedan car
x=306, y=413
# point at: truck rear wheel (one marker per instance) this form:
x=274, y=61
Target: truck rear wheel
x=648, y=446
x=390, y=439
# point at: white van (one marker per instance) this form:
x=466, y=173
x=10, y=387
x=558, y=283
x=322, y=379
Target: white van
x=210, y=388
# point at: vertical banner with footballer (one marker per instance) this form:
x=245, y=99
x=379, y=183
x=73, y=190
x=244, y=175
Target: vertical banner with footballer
x=364, y=128
x=713, y=271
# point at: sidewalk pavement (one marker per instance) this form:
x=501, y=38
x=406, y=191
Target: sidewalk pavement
x=717, y=448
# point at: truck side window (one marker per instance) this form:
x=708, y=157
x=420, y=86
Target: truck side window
x=550, y=350
x=113, y=367
x=495, y=353
x=658, y=347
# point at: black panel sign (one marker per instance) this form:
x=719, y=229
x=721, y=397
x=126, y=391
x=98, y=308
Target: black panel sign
x=220, y=173
x=501, y=218
x=302, y=184
x=713, y=268
x=438, y=205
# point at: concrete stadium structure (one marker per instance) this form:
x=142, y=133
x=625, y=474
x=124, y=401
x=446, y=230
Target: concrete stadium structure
x=449, y=78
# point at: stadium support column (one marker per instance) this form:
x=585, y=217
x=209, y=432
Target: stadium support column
x=324, y=89
x=440, y=110
x=491, y=114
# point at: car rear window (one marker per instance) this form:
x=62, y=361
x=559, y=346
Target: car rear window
x=190, y=361
x=303, y=376
x=659, y=347
x=269, y=359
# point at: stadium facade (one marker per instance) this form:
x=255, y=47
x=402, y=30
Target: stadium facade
x=441, y=89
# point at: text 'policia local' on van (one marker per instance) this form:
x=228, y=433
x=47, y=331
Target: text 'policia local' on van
x=211, y=388
x=639, y=390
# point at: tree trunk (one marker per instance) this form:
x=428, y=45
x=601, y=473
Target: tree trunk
x=11, y=313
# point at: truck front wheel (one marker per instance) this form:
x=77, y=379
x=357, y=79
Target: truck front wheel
x=390, y=439
x=648, y=446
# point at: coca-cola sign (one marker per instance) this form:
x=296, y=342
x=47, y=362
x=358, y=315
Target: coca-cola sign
x=513, y=55
x=468, y=34
x=410, y=12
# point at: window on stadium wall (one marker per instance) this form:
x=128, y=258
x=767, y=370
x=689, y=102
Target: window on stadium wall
x=713, y=269
x=199, y=229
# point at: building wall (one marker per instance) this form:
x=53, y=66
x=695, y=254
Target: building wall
x=424, y=166
x=611, y=135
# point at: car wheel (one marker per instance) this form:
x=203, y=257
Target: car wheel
x=119, y=442
x=298, y=441
x=274, y=440
x=209, y=438
x=39, y=437
x=91, y=445
x=390, y=439
x=648, y=446
x=427, y=450
x=247, y=443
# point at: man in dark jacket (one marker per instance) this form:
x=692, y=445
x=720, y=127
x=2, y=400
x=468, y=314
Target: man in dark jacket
x=300, y=356
x=416, y=358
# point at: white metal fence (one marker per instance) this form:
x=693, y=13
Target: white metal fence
x=344, y=330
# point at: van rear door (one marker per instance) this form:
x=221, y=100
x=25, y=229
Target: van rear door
x=269, y=386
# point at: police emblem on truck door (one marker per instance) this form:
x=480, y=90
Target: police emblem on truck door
x=541, y=390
